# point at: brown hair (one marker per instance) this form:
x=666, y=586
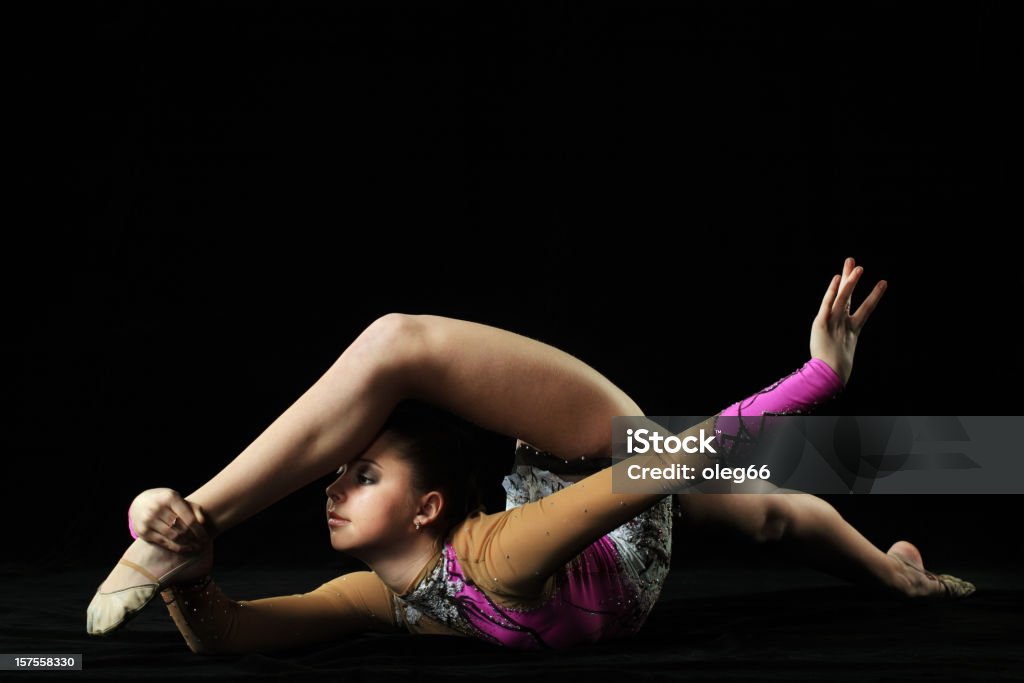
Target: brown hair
x=444, y=453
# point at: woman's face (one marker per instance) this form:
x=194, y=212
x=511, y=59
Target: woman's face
x=375, y=500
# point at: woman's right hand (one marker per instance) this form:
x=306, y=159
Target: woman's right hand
x=835, y=330
x=162, y=517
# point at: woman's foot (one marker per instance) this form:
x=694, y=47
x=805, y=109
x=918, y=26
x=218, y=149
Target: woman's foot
x=142, y=572
x=157, y=560
x=913, y=581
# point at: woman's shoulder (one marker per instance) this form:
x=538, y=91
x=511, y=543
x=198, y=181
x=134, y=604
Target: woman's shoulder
x=366, y=582
x=474, y=522
x=525, y=484
x=478, y=534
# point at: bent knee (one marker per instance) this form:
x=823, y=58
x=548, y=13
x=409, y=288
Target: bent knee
x=389, y=328
x=392, y=340
x=777, y=516
x=755, y=517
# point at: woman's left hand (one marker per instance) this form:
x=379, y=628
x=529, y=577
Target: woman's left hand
x=834, y=331
x=148, y=515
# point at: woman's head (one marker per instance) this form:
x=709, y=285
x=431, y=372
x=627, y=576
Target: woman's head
x=443, y=453
x=421, y=469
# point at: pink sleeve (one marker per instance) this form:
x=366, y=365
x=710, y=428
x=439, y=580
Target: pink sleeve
x=795, y=393
x=738, y=426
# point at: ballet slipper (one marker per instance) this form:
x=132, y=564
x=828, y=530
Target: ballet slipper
x=110, y=611
x=954, y=587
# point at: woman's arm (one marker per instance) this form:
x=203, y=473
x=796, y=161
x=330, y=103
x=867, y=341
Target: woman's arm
x=834, y=335
x=520, y=548
x=212, y=623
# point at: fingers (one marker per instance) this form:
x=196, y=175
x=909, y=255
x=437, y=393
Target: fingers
x=171, y=522
x=839, y=295
x=830, y=295
x=184, y=529
x=851, y=275
x=848, y=265
x=173, y=545
x=170, y=535
x=833, y=303
x=864, y=311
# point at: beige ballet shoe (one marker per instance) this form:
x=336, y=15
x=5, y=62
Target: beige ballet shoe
x=954, y=587
x=109, y=611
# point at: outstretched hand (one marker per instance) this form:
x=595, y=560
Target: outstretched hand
x=162, y=517
x=834, y=331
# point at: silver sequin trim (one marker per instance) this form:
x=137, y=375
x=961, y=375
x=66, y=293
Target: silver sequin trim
x=644, y=543
x=434, y=597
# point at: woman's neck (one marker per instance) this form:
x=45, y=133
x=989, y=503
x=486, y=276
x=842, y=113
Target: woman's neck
x=399, y=569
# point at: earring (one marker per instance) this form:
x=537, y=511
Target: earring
x=417, y=526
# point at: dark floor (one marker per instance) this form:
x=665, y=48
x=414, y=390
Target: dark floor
x=711, y=623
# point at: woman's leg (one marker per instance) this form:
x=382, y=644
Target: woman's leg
x=354, y=397
x=815, y=532
x=500, y=380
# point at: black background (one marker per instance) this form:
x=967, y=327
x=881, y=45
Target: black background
x=209, y=204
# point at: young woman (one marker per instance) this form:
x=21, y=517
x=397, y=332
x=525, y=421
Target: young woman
x=570, y=561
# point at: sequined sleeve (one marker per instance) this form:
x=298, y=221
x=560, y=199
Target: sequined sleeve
x=514, y=555
x=212, y=623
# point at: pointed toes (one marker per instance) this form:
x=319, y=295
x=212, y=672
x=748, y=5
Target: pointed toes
x=108, y=611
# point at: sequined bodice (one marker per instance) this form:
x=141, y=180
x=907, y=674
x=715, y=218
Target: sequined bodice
x=605, y=592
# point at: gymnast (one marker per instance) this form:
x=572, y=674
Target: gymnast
x=568, y=562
